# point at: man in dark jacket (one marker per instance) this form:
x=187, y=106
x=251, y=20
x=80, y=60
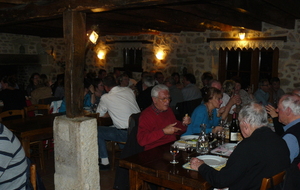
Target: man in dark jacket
x=261, y=154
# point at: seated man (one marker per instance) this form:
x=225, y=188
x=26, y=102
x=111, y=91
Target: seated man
x=190, y=91
x=277, y=92
x=262, y=94
x=13, y=162
x=119, y=103
x=157, y=123
x=253, y=159
x=289, y=114
x=175, y=93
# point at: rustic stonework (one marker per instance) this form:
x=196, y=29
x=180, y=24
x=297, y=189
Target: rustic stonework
x=185, y=49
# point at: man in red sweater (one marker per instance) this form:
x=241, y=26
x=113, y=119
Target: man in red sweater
x=157, y=123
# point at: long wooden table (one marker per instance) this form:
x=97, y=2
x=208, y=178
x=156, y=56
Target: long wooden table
x=154, y=166
x=32, y=129
x=39, y=128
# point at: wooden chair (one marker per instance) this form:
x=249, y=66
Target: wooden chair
x=41, y=108
x=33, y=176
x=272, y=181
x=186, y=107
x=132, y=122
x=38, y=146
x=10, y=113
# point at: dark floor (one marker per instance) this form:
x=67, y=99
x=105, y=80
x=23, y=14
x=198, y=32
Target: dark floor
x=106, y=177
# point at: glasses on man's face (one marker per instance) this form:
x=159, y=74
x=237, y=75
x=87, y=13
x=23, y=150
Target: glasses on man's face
x=164, y=99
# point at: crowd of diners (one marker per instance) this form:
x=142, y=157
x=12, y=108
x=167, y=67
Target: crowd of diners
x=262, y=153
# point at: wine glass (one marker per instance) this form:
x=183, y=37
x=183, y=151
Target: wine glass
x=188, y=149
x=174, y=150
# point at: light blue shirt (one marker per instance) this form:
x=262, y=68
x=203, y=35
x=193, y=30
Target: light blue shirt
x=291, y=140
x=262, y=97
x=200, y=116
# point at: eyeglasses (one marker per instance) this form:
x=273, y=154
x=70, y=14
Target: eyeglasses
x=164, y=99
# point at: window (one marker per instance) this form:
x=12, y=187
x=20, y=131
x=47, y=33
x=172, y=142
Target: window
x=133, y=59
x=250, y=65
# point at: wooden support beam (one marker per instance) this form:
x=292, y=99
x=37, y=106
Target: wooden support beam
x=75, y=37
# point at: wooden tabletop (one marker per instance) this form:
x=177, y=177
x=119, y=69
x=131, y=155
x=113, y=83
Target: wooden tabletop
x=154, y=166
x=32, y=129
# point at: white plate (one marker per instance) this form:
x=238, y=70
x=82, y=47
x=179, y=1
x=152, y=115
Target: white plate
x=189, y=137
x=230, y=146
x=212, y=161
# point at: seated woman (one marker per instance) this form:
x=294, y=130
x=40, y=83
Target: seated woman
x=33, y=82
x=99, y=89
x=43, y=90
x=13, y=99
x=207, y=113
x=89, y=97
x=246, y=97
x=229, y=89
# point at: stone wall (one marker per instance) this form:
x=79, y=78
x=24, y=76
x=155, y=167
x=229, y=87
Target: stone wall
x=186, y=52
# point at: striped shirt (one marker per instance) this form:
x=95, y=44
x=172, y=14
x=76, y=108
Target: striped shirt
x=13, y=162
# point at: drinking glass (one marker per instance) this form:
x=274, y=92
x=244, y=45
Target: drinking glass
x=174, y=150
x=188, y=149
x=211, y=137
x=219, y=138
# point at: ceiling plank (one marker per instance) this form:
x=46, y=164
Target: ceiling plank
x=257, y=9
x=19, y=1
x=55, y=8
x=178, y=18
x=289, y=6
x=219, y=14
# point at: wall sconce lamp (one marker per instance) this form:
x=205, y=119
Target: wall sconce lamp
x=242, y=34
x=101, y=54
x=93, y=37
x=160, y=55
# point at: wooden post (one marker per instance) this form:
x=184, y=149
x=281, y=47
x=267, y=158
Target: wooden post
x=75, y=38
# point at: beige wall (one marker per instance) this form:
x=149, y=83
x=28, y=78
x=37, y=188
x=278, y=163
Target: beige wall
x=184, y=50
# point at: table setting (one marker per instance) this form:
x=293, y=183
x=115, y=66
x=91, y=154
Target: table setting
x=213, y=149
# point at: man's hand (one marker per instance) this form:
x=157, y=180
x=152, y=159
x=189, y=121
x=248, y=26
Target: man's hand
x=271, y=111
x=196, y=163
x=170, y=129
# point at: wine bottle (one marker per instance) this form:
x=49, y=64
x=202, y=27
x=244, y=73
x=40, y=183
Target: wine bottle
x=233, y=130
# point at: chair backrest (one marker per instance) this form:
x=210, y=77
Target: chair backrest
x=272, y=181
x=48, y=100
x=187, y=107
x=33, y=176
x=10, y=113
x=133, y=122
x=44, y=109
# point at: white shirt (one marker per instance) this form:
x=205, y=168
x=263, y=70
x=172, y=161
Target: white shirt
x=120, y=103
x=225, y=100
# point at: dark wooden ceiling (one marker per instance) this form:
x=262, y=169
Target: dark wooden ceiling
x=131, y=17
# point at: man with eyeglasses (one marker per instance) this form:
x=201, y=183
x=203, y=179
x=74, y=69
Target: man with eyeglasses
x=157, y=123
x=262, y=95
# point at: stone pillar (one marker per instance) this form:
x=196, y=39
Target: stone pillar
x=76, y=153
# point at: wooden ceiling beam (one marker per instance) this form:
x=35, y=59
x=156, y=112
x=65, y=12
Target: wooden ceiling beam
x=289, y=6
x=258, y=10
x=161, y=14
x=54, y=8
x=219, y=14
x=18, y=2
